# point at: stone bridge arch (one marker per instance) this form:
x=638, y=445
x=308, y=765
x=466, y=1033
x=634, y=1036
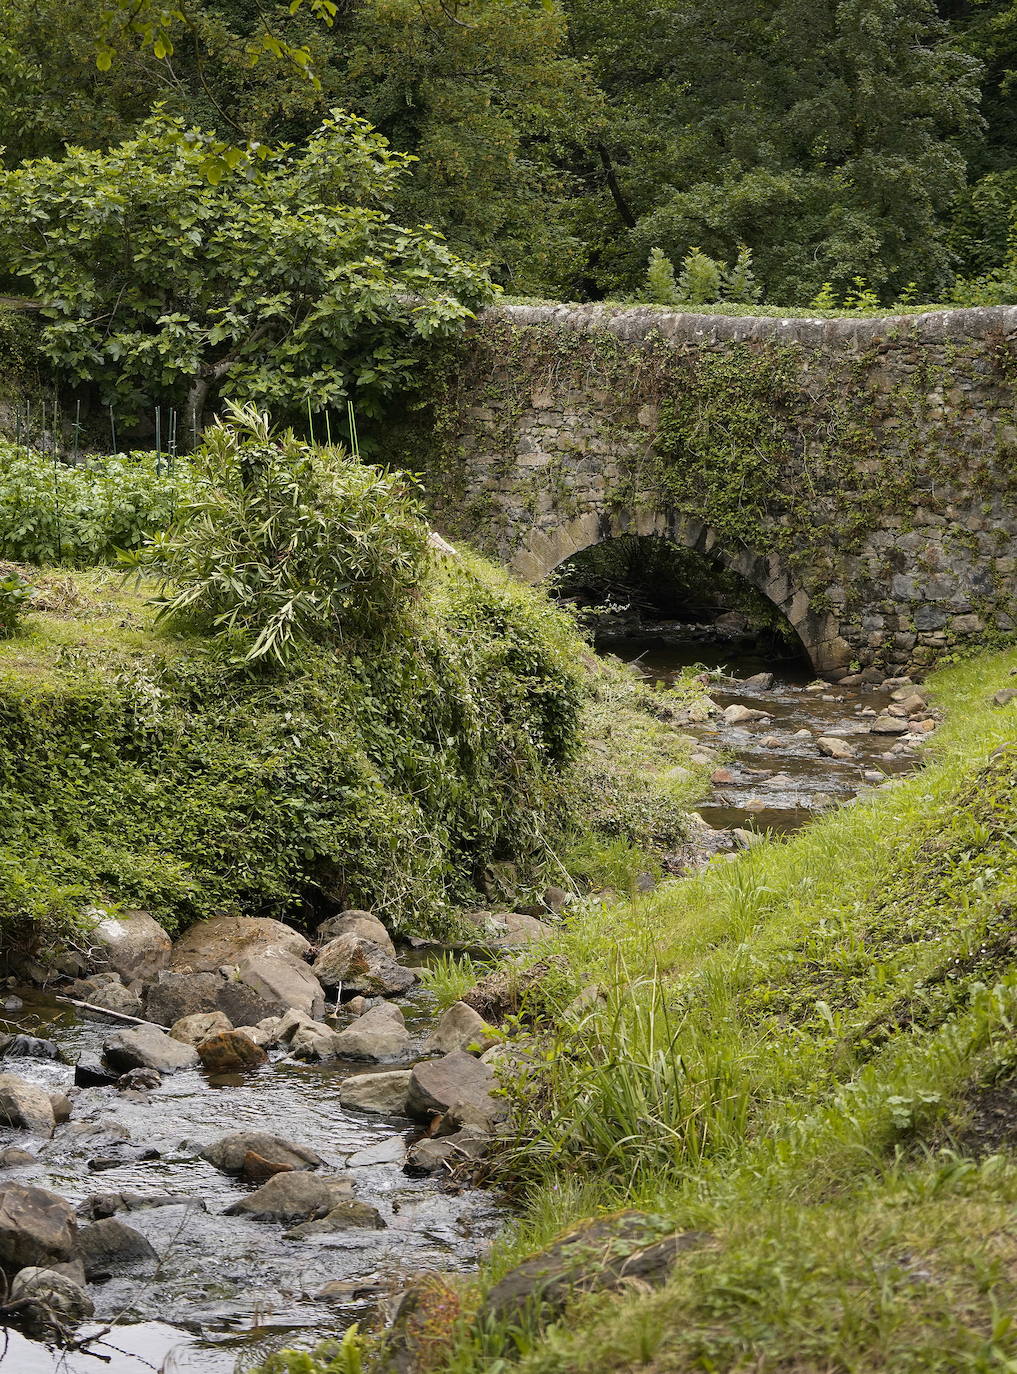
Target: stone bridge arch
x=860, y=473
x=819, y=632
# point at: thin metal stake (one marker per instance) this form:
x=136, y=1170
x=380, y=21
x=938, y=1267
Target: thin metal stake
x=77, y=429
x=328, y=426
x=158, y=440
x=112, y=427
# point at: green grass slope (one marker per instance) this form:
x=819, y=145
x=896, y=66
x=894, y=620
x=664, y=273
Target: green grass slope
x=810, y=1054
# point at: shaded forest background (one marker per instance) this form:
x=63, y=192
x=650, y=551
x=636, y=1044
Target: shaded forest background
x=562, y=142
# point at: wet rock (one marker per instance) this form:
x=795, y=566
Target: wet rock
x=139, y=1080
x=460, y=1028
x=257, y=1035
x=107, y=990
x=25, y=1105
x=282, y=981
x=91, y=1072
x=13, y=1158
x=293, y=1197
x=148, y=1047
x=723, y=777
x=50, y=1304
x=36, y=1227
x=311, y=1040
x=228, y=940
x=175, y=996
x=28, y=1047
x=889, y=725
x=109, y=1247
x=257, y=1169
x=191, y=1030
x=242, y=1005
x=132, y=944
x=62, y=1107
x=447, y=1154
x=437, y=1085
x=736, y=714
x=348, y=1216
x=356, y=1006
x=831, y=747
x=230, y=1052
x=378, y=1034
x=361, y=966
x=771, y=742
x=391, y=1151
x=100, y=1205
x=614, y=1253
x=121, y=1155
x=230, y=1153
x=384, y=1093
x=761, y=682
x=363, y=924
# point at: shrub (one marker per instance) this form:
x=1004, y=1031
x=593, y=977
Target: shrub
x=54, y=513
x=15, y=594
x=661, y=287
x=701, y=279
x=281, y=544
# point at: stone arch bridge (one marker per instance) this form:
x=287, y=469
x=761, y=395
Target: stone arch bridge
x=860, y=473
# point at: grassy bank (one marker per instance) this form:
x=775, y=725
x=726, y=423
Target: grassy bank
x=809, y=1054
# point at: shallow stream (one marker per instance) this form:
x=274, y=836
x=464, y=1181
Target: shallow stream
x=229, y=1289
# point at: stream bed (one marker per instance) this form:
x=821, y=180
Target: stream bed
x=228, y=1290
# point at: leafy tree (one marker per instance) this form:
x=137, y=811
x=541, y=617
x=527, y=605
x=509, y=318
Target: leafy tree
x=661, y=287
x=700, y=280
x=177, y=267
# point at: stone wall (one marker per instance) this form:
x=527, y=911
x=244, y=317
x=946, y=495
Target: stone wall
x=861, y=473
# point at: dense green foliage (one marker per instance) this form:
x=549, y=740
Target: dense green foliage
x=174, y=265
x=562, y=140
x=56, y=512
x=141, y=767
x=281, y=544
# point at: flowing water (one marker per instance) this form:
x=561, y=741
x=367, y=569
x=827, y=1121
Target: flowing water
x=779, y=779
x=229, y=1289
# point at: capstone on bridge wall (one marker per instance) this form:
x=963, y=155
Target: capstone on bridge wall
x=861, y=473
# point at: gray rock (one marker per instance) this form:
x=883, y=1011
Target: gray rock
x=109, y=1247
x=348, y=1216
x=242, y=1005
x=359, y=965
x=36, y=1227
x=53, y=1304
x=384, y=1093
x=148, y=1047
x=13, y=1158
x=108, y=991
x=514, y=930
x=379, y=1034
x=737, y=714
x=391, y=1151
x=228, y=940
x=360, y=923
x=191, y=1030
x=460, y=1028
x=91, y=1072
x=282, y=982
x=174, y=996
x=889, y=725
x=446, y=1154
x=229, y=1153
x=312, y=1040
x=293, y=1197
x=761, y=681
x=614, y=1253
x=62, y=1107
x=833, y=748
x=139, y=1080
x=438, y=1084
x=1005, y=696
x=133, y=945
x=25, y=1105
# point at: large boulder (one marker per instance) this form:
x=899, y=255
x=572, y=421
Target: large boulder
x=436, y=1085
x=230, y=1052
x=379, y=1034
x=384, y=1093
x=132, y=944
x=191, y=1030
x=363, y=924
x=174, y=996
x=460, y=1028
x=616, y=1252
x=49, y=1304
x=148, y=1047
x=281, y=981
x=36, y=1227
x=230, y=1153
x=25, y=1105
x=312, y=1040
x=109, y=1247
x=228, y=940
x=514, y=930
x=296, y=1196
x=359, y=965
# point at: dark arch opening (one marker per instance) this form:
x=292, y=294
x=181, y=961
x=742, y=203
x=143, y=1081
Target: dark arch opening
x=647, y=590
